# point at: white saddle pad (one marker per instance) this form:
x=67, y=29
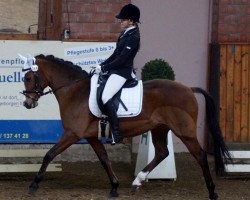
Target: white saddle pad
x=131, y=97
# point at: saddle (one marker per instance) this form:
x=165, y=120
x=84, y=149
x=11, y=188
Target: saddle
x=130, y=83
x=128, y=100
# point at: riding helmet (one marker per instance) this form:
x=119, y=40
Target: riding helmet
x=129, y=11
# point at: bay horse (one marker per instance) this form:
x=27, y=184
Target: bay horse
x=167, y=105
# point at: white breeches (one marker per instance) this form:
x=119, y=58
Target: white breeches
x=113, y=85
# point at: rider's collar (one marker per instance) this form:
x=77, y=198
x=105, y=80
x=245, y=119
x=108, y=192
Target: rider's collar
x=128, y=29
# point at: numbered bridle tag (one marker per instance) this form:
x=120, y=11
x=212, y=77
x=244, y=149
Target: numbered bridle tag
x=34, y=68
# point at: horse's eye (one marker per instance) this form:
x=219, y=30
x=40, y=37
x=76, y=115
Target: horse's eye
x=28, y=79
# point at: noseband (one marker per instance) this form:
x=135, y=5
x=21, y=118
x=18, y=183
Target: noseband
x=37, y=89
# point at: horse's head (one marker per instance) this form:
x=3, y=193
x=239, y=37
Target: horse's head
x=33, y=82
x=43, y=71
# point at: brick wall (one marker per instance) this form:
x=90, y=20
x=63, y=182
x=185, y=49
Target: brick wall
x=231, y=21
x=92, y=20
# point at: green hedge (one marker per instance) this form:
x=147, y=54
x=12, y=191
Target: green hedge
x=157, y=69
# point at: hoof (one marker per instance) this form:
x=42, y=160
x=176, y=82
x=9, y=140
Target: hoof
x=113, y=194
x=133, y=189
x=33, y=188
x=221, y=172
x=213, y=197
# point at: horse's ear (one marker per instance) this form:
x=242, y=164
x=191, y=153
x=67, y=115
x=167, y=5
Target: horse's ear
x=23, y=58
x=31, y=58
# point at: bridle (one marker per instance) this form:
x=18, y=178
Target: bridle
x=37, y=89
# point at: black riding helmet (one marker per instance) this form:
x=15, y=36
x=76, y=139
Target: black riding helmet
x=129, y=11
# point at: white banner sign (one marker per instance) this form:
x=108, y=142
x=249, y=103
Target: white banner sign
x=84, y=54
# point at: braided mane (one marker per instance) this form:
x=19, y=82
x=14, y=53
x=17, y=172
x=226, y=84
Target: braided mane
x=62, y=63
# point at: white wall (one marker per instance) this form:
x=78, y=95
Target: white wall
x=177, y=31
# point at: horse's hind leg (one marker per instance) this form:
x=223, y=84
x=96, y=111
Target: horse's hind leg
x=159, y=138
x=65, y=141
x=103, y=157
x=201, y=157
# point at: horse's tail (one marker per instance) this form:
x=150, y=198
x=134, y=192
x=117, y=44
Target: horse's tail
x=220, y=148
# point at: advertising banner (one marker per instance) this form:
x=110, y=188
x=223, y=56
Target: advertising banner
x=41, y=124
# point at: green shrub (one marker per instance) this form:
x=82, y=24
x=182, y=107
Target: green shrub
x=157, y=69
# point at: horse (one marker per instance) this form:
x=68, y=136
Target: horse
x=167, y=105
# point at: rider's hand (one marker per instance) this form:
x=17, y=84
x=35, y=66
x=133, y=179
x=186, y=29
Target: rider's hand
x=97, y=69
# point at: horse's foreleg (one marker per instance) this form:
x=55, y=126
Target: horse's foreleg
x=159, y=138
x=103, y=157
x=201, y=157
x=64, y=142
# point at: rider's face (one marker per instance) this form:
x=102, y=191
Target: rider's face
x=125, y=23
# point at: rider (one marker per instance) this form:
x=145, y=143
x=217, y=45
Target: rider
x=119, y=65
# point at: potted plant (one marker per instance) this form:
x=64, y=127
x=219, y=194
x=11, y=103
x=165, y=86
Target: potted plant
x=157, y=69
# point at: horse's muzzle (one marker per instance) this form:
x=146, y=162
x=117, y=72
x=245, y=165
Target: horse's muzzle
x=31, y=104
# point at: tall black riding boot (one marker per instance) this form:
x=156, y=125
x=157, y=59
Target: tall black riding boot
x=113, y=120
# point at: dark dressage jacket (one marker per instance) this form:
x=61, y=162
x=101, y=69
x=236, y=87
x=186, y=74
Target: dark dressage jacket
x=121, y=61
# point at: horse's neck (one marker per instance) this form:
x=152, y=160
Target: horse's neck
x=67, y=87
x=66, y=84
x=59, y=78
x=74, y=96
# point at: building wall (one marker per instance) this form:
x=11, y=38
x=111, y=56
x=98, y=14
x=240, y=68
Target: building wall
x=231, y=21
x=177, y=31
x=92, y=20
